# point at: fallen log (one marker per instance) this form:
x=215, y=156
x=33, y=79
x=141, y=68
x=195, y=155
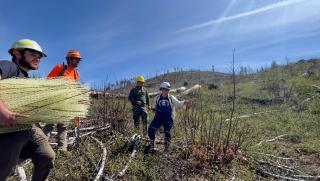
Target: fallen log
x=21, y=173
x=190, y=90
x=135, y=140
x=104, y=157
x=276, y=157
x=278, y=176
x=273, y=139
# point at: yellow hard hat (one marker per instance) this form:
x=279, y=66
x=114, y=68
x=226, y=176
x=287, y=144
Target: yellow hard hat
x=140, y=78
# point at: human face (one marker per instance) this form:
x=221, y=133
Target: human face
x=140, y=84
x=73, y=61
x=164, y=92
x=31, y=60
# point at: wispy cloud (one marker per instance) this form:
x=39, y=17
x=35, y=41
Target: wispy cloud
x=297, y=35
x=245, y=14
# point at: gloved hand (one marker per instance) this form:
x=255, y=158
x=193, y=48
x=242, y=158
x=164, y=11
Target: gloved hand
x=152, y=109
x=139, y=103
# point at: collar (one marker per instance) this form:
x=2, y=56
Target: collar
x=21, y=70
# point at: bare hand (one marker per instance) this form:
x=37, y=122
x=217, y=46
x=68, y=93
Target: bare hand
x=7, y=117
x=188, y=103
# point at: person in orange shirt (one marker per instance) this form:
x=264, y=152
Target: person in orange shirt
x=70, y=72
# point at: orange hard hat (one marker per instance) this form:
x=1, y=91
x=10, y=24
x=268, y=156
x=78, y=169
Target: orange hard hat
x=73, y=53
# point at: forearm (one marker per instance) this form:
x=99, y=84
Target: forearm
x=177, y=103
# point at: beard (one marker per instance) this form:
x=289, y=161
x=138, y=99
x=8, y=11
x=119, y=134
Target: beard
x=25, y=64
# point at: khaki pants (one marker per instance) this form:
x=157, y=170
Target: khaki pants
x=22, y=145
x=62, y=134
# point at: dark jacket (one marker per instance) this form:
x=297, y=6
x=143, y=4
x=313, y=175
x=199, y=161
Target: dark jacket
x=139, y=94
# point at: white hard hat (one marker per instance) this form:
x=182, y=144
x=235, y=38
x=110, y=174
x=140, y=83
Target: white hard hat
x=165, y=85
x=27, y=44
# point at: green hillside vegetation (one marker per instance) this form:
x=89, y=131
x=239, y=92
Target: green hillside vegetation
x=274, y=132
x=177, y=79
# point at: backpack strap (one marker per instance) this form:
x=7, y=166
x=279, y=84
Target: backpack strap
x=157, y=99
x=64, y=68
x=18, y=72
x=145, y=90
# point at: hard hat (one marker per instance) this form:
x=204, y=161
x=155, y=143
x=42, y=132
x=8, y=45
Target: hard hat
x=73, y=53
x=165, y=85
x=140, y=78
x=27, y=44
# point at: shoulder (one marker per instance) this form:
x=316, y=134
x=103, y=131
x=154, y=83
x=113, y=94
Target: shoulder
x=56, y=70
x=6, y=64
x=60, y=66
x=157, y=97
x=171, y=96
x=144, y=89
x=132, y=91
x=8, y=69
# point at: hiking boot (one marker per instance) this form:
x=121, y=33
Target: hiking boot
x=151, y=144
x=149, y=148
x=167, y=147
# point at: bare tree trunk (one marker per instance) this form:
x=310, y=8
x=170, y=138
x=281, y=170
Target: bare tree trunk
x=233, y=104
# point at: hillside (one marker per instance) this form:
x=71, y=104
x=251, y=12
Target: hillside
x=268, y=131
x=188, y=78
x=177, y=79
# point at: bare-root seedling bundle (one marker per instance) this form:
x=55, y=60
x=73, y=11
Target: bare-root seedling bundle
x=44, y=100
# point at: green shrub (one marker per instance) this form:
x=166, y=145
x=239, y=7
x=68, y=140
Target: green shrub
x=314, y=106
x=212, y=86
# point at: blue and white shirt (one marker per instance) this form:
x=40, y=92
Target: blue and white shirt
x=172, y=100
x=164, y=106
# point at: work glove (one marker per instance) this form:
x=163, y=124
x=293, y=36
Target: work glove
x=139, y=103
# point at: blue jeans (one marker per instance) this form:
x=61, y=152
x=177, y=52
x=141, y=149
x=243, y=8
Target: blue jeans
x=159, y=120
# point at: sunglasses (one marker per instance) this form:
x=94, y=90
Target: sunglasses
x=74, y=58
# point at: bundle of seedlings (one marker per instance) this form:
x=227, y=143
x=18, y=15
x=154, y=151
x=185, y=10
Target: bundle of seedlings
x=44, y=100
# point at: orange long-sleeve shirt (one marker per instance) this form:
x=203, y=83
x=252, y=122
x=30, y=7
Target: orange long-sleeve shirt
x=70, y=73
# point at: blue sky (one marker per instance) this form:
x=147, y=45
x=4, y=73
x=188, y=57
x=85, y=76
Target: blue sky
x=121, y=39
